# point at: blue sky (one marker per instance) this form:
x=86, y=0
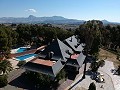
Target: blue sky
x=73, y=9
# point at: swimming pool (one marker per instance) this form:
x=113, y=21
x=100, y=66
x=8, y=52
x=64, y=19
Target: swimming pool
x=21, y=50
x=22, y=58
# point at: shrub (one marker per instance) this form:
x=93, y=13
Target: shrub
x=92, y=86
x=3, y=81
x=95, y=65
x=61, y=75
x=118, y=57
x=101, y=63
x=21, y=63
x=118, y=70
x=40, y=81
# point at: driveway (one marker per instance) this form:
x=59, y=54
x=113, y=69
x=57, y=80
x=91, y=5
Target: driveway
x=115, y=78
x=108, y=76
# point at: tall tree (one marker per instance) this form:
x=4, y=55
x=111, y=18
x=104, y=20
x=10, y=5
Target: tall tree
x=90, y=33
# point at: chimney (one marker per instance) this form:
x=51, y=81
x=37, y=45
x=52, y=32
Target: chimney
x=50, y=54
x=71, y=39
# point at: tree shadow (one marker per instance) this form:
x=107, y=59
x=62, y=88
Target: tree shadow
x=88, y=72
x=71, y=75
x=90, y=59
x=21, y=82
x=76, y=83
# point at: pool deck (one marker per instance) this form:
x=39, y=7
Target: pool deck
x=14, y=61
x=27, y=52
x=23, y=53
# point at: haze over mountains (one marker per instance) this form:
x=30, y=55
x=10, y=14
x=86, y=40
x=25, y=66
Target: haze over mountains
x=52, y=20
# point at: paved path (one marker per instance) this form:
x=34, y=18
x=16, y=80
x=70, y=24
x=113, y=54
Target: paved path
x=115, y=78
x=68, y=82
x=12, y=76
x=79, y=82
x=65, y=84
x=110, y=79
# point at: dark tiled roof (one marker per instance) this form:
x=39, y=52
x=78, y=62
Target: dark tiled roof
x=59, y=49
x=81, y=59
x=45, y=67
x=39, y=68
x=61, y=53
x=73, y=42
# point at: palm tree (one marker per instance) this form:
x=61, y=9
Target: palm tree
x=5, y=66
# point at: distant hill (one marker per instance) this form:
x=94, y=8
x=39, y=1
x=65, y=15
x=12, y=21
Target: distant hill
x=33, y=19
x=51, y=20
x=107, y=22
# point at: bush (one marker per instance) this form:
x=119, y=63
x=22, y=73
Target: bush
x=118, y=70
x=40, y=81
x=61, y=75
x=95, y=56
x=3, y=81
x=101, y=63
x=92, y=86
x=21, y=63
x=118, y=57
x=95, y=65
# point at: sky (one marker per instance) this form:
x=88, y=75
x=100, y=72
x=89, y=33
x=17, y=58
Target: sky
x=72, y=9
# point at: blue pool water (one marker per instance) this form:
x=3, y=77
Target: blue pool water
x=21, y=50
x=22, y=58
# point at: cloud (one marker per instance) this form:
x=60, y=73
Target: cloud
x=31, y=10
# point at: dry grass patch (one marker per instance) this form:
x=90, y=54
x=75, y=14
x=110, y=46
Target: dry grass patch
x=103, y=54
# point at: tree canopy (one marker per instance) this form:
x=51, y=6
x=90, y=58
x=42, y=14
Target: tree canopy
x=90, y=34
x=7, y=38
x=29, y=33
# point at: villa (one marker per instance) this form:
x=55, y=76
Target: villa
x=57, y=55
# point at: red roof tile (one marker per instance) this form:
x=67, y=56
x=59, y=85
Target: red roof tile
x=43, y=62
x=74, y=56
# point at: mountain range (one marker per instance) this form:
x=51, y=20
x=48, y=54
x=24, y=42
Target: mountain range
x=52, y=20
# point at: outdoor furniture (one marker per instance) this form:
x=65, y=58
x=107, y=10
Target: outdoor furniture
x=100, y=78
